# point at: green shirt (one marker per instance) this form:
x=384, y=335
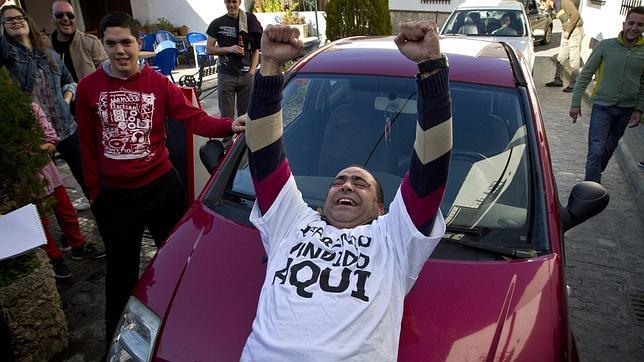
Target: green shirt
x=620, y=75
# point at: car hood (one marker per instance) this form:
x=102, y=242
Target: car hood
x=205, y=284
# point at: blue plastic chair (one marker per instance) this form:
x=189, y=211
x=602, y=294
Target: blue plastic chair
x=165, y=61
x=165, y=45
x=200, y=50
x=163, y=35
x=148, y=42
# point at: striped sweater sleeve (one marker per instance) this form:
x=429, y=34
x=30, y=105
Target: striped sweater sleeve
x=423, y=186
x=267, y=159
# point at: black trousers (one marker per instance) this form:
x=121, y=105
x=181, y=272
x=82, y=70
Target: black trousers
x=69, y=148
x=122, y=216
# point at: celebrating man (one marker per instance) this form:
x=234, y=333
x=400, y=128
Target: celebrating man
x=323, y=321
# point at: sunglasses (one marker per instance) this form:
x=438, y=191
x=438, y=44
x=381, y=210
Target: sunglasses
x=13, y=19
x=59, y=15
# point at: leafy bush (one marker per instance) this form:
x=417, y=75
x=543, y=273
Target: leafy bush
x=357, y=17
x=291, y=17
x=14, y=268
x=160, y=24
x=20, y=140
x=267, y=6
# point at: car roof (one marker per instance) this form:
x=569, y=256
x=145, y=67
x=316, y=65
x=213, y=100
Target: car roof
x=470, y=60
x=507, y=4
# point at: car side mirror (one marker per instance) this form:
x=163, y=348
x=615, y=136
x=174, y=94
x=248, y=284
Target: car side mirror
x=211, y=154
x=586, y=200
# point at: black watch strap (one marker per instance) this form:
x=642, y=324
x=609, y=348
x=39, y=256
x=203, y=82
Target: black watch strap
x=433, y=64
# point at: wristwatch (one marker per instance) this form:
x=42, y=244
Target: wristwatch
x=431, y=65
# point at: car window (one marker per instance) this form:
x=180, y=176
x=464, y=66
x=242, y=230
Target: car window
x=485, y=22
x=335, y=121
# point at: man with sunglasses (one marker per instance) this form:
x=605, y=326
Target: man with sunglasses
x=81, y=52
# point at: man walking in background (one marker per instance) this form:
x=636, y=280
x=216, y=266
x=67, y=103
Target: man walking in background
x=82, y=54
x=570, y=48
x=618, y=98
x=235, y=38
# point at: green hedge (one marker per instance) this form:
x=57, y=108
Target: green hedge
x=357, y=17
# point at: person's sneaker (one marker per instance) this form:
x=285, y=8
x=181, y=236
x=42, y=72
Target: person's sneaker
x=64, y=244
x=81, y=204
x=641, y=164
x=61, y=270
x=569, y=89
x=87, y=251
x=555, y=83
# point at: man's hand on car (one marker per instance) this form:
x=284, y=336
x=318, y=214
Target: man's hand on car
x=280, y=43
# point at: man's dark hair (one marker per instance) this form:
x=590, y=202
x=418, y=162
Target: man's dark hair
x=380, y=195
x=119, y=20
x=636, y=10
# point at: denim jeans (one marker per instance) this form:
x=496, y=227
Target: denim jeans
x=607, y=126
x=69, y=148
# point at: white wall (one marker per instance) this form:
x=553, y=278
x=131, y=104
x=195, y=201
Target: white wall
x=418, y=5
x=602, y=22
x=196, y=14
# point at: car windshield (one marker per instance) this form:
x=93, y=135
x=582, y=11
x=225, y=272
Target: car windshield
x=486, y=22
x=334, y=121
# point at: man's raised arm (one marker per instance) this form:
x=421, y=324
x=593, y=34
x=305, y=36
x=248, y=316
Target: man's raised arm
x=423, y=187
x=267, y=159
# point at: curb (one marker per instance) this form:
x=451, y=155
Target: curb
x=634, y=176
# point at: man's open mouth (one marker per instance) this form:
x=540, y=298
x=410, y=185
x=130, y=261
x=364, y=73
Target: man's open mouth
x=346, y=201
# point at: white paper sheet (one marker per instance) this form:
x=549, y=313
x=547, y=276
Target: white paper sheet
x=20, y=231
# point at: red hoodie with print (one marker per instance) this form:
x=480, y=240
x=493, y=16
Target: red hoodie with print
x=121, y=124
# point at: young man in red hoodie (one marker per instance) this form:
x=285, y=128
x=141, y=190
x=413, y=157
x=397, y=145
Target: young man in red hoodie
x=121, y=110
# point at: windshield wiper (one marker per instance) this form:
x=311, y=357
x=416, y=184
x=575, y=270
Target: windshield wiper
x=496, y=249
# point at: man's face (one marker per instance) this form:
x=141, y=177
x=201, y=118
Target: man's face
x=633, y=27
x=352, y=199
x=122, y=49
x=14, y=23
x=233, y=7
x=505, y=20
x=62, y=15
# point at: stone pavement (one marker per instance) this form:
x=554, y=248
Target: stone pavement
x=605, y=255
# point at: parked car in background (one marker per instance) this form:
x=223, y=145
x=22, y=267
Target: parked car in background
x=484, y=19
x=494, y=288
x=540, y=21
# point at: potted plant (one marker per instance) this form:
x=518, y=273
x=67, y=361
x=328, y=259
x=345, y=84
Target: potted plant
x=294, y=19
x=29, y=301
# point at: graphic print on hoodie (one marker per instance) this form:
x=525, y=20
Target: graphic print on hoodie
x=127, y=122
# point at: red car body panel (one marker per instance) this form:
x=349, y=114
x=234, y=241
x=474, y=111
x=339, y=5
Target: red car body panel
x=205, y=282
x=209, y=315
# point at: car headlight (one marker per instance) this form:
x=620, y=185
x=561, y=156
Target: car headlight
x=135, y=334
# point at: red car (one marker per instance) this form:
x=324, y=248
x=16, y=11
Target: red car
x=494, y=288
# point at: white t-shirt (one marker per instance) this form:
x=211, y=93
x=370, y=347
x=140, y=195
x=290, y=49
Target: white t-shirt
x=334, y=294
